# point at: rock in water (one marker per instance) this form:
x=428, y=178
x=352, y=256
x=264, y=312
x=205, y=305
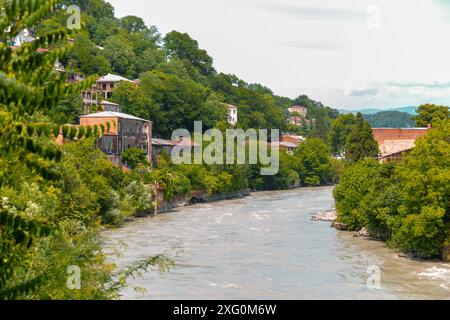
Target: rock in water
x=325, y=216
x=363, y=233
x=339, y=226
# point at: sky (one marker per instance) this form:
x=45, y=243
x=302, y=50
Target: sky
x=345, y=53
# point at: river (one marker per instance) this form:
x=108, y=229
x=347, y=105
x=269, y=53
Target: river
x=265, y=247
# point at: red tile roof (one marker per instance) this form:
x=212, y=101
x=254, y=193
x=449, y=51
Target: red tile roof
x=393, y=140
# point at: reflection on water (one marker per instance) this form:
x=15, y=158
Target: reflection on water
x=265, y=247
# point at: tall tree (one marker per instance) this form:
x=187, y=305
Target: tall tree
x=184, y=47
x=360, y=142
x=312, y=162
x=340, y=129
x=87, y=59
x=119, y=51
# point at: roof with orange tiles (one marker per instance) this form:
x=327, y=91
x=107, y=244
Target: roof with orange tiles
x=395, y=140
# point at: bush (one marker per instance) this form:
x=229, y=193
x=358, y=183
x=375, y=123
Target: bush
x=312, y=162
x=134, y=157
x=357, y=181
x=312, y=181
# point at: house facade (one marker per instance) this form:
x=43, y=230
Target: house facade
x=106, y=85
x=302, y=111
x=232, y=114
x=102, y=91
x=125, y=132
x=298, y=116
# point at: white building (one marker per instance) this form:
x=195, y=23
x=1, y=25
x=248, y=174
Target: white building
x=232, y=114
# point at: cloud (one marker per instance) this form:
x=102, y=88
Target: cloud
x=418, y=91
x=314, y=45
x=429, y=85
x=369, y=91
x=315, y=13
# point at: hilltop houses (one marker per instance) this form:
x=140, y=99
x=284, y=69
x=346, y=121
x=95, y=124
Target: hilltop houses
x=394, y=143
x=298, y=116
x=106, y=84
x=103, y=89
x=124, y=131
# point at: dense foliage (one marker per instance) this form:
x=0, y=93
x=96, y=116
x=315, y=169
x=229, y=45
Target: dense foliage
x=53, y=199
x=431, y=114
x=407, y=204
x=351, y=137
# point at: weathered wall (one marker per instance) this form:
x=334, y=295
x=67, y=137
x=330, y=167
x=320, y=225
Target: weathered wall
x=114, y=128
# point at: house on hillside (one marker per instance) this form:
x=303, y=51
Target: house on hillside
x=106, y=84
x=290, y=142
x=161, y=145
x=300, y=110
x=289, y=147
x=110, y=106
x=298, y=116
x=232, y=114
x=102, y=90
x=395, y=143
x=292, y=139
x=125, y=132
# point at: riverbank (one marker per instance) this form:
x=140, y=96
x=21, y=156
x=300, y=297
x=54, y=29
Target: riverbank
x=163, y=206
x=197, y=197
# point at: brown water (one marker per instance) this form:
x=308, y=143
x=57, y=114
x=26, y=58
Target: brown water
x=265, y=247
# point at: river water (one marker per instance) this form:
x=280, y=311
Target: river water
x=265, y=247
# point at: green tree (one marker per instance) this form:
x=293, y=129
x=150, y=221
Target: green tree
x=119, y=51
x=133, y=100
x=67, y=111
x=431, y=114
x=134, y=157
x=87, y=58
x=133, y=24
x=312, y=162
x=181, y=45
x=340, y=130
x=360, y=143
x=177, y=103
x=357, y=181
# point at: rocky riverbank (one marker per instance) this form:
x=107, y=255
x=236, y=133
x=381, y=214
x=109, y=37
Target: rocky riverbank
x=328, y=216
x=196, y=197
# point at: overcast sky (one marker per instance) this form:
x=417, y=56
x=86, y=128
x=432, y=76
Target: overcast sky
x=345, y=53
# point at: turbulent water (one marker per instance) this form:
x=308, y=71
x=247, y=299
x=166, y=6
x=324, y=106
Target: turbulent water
x=265, y=247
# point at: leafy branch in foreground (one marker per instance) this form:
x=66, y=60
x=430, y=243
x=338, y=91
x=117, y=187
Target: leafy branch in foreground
x=160, y=262
x=49, y=210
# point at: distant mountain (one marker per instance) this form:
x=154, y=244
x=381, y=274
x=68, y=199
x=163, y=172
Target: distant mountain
x=390, y=119
x=409, y=110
